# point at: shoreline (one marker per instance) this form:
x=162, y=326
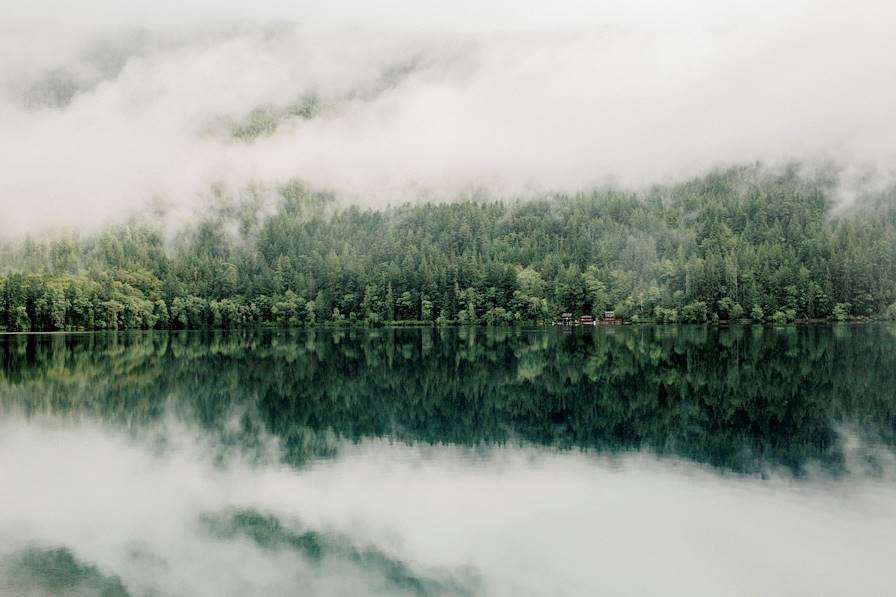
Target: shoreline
x=429, y=325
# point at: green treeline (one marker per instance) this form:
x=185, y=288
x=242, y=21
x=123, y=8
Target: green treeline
x=729, y=246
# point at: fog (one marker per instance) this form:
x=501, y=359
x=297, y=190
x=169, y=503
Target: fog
x=496, y=521
x=107, y=108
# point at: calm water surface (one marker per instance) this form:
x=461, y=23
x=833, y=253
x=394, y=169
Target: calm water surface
x=619, y=461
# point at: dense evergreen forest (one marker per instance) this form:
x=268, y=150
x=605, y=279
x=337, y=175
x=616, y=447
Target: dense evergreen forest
x=743, y=244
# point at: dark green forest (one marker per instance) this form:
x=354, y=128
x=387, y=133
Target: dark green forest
x=744, y=244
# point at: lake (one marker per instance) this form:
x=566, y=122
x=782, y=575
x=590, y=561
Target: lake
x=631, y=460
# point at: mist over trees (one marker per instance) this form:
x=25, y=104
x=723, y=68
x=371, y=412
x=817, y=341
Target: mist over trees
x=727, y=246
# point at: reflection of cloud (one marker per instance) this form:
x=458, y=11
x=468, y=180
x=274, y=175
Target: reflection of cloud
x=324, y=549
x=526, y=521
x=107, y=108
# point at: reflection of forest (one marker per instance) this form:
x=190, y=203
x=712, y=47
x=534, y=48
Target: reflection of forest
x=739, y=398
x=39, y=571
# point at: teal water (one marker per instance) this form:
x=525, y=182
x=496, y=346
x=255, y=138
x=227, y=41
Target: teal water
x=622, y=461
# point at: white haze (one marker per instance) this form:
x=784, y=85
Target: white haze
x=506, y=98
x=501, y=522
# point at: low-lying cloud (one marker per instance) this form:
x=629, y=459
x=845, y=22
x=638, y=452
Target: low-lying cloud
x=106, y=108
x=417, y=520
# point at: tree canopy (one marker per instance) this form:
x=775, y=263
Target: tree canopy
x=727, y=246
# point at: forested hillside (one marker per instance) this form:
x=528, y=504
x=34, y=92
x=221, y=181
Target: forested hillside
x=732, y=245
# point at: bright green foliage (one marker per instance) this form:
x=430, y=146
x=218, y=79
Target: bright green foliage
x=695, y=312
x=730, y=310
x=757, y=314
x=426, y=306
x=664, y=315
x=841, y=311
x=779, y=317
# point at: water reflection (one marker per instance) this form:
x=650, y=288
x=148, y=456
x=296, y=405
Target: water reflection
x=746, y=399
x=452, y=462
x=91, y=511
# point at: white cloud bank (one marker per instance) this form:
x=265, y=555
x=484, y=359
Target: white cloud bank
x=507, y=522
x=105, y=106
